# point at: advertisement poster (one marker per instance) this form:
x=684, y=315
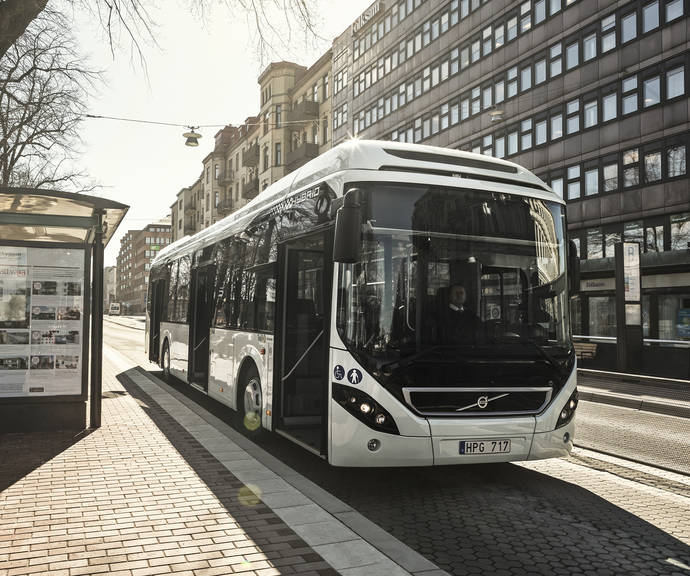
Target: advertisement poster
x=631, y=271
x=41, y=321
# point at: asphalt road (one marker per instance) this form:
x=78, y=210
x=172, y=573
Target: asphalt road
x=588, y=514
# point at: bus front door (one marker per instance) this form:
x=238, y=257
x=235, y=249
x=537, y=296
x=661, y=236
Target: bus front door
x=303, y=346
x=158, y=300
x=200, y=325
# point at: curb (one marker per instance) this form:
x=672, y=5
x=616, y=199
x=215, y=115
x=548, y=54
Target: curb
x=648, y=404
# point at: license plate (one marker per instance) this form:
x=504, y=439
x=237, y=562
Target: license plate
x=484, y=447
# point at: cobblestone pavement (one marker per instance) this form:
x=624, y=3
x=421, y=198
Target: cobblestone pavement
x=589, y=514
x=137, y=497
x=653, y=438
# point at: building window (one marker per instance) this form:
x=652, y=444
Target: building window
x=674, y=9
x=631, y=168
x=630, y=95
x=526, y=134
x=573, y=182
x=525, y=17
x=499, y=35
x=591, y=182
x=589, y=47
x=526, y=78
x=556, y=64
x=610, y=177
x=594, y=245
x=610, y=241
x=512, y=82
x=325, y=87
x=680, y=231
x=633, y=232
x=557, y=186
x=628, y=27
x=279, y=115
x=650, y=17
x=675, y=82
x=315, y=93
x=573, y=110
x=675, y=158
x=499, y=91
x=590, y=114
x=556, y=126
x=609, y=105
x=540, y=72
x=539, y=11
x=499, y=147
x=540, y=133
x=266, y=164
x=554, y=6
x=278, y=156
x=608, y=33
x=651, y=91
x=654, y=238
x=652, y=167
x=572, y=56
x=512, y=143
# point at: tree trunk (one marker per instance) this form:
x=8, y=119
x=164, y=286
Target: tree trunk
x=15, y=16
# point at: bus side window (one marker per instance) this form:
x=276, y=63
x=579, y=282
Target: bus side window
x=172, y=293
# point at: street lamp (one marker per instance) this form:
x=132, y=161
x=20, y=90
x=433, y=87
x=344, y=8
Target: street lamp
x=192, y=136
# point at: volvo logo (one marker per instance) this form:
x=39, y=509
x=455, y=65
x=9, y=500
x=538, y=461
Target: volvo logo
x=483, y=401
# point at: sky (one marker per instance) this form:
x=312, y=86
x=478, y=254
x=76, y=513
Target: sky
x=202, y=71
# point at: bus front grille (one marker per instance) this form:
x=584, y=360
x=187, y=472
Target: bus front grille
x=508, y=401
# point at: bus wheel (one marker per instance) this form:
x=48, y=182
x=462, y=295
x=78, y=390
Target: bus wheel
x=249, y=401
x=165, y=361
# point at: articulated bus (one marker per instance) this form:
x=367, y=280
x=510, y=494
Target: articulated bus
x=386, y=304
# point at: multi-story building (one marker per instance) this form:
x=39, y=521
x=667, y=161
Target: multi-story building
x=589, y=94
x=138, y=248
x=109, y=286
x=292, y=127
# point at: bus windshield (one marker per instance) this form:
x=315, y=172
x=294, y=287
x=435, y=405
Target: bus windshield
x=451, y=276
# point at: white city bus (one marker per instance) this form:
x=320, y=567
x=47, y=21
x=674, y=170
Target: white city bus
x=324, y=309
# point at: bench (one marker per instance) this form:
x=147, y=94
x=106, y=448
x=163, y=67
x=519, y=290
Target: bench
x=585, y=350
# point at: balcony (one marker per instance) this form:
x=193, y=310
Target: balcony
x=305, y=111
x=250, y=156
x=224, y=207
x=226, y=177
x=301, y=155
x=189, y=222
x=250, y=188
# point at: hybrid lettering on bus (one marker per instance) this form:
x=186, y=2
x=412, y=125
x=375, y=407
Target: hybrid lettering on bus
x=386, y=304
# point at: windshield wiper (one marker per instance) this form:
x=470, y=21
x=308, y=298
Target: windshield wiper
x=548, y=357
x=389, y=366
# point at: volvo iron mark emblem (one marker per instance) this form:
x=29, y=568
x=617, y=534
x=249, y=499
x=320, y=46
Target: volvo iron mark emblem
x=482, y=402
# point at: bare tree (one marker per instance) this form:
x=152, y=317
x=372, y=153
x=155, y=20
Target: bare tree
x=275, y=22
x=43, y=85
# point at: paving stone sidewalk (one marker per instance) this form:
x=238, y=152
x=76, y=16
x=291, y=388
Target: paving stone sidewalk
x=140, y=496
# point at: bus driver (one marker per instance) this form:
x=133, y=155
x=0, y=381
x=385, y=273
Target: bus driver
x=460, y=324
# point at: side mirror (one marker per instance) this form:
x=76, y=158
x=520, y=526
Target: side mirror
x=348, y=229
x=573, y=269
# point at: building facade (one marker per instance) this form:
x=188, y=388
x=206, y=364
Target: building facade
x=291, y=128
x=138, y=248
x=589, y=94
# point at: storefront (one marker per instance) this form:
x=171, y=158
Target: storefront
x=665, y=313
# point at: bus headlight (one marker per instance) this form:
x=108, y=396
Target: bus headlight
x=364, y=408
x=568, y=411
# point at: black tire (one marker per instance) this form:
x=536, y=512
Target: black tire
x=250, y=401
x=165, y=361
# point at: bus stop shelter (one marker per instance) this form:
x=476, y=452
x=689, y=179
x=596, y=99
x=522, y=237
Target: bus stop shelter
x=51, y=306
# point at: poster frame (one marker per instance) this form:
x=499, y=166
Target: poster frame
x=86, y=339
